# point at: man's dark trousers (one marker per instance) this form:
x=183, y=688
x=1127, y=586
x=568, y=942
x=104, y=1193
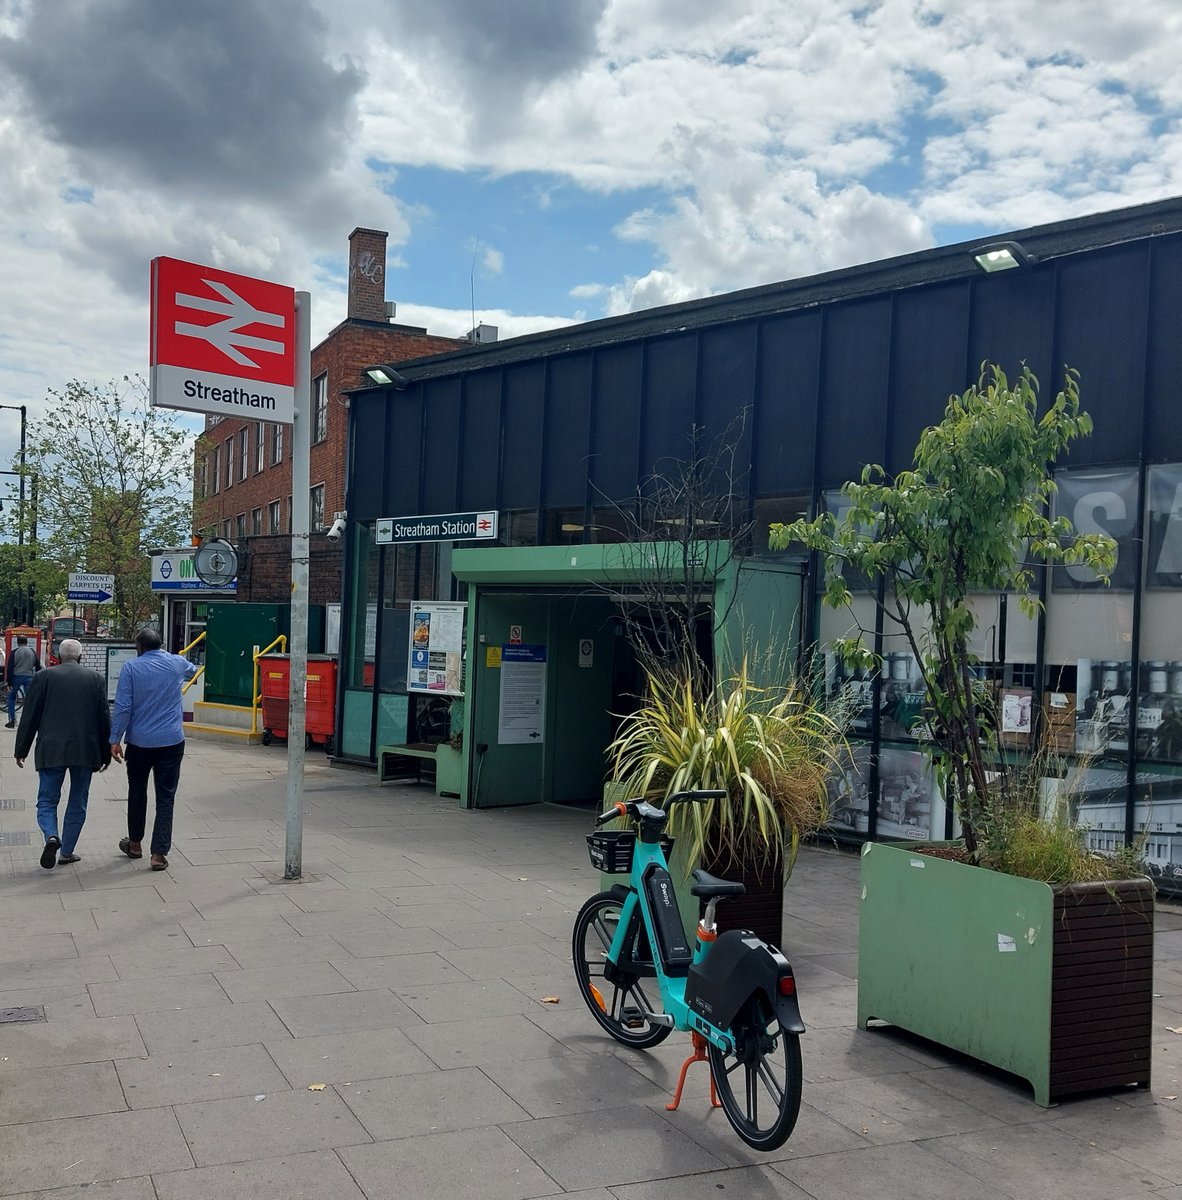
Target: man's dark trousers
x=164, y=764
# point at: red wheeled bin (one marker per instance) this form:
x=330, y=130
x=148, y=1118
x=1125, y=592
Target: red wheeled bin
x=320, y=698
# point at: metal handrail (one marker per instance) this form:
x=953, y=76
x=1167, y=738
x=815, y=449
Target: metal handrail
x=199, y=638
x=200, y=670
x=256, y=698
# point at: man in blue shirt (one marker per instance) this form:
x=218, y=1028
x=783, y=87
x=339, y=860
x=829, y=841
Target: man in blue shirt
x=148, y=713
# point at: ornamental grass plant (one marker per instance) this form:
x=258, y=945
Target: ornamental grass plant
x=770, y=749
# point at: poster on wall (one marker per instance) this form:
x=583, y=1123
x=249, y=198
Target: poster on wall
x=1099, y=502
x=435, y=662
x=1102, y=717
x=850, y=692
x=901, y=699
x=522, y=716
x=908, y=798
x=849, y=791
x=1163, y=568
x=1017, y=710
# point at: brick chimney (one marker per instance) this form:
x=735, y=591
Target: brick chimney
x=367, y=274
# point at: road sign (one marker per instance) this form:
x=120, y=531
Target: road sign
x=447, y=527
x=222, y=343
x=83, y=588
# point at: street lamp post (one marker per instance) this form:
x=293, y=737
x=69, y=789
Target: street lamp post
x=26, y=611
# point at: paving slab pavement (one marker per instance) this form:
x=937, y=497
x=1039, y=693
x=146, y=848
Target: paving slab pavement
x=380, y=1028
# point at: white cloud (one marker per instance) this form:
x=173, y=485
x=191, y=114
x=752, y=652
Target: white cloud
x=771, y=140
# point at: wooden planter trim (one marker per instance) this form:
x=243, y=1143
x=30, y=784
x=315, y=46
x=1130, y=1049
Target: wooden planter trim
x=1101, y=987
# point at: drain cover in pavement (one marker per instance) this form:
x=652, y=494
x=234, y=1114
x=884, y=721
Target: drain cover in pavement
x=14, y=839
x=15, y=1016
x=12, y=806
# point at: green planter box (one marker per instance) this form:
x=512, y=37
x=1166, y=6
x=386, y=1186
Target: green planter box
x=1052, y=984
x=449, y=765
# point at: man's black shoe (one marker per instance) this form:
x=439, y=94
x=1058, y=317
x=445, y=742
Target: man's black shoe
x=9, y=724
x=49, y=854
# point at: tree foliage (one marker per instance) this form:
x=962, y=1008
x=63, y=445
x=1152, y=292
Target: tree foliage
x=110, y=477
x=971, y=516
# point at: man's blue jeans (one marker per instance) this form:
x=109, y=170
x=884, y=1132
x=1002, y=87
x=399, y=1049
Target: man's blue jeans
x=49, y=794
x=18, y=681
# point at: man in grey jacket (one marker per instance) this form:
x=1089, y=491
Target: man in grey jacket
x=22, y=665
x=66, y=710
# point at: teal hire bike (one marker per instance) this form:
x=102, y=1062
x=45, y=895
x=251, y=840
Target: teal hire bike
x=641, y=978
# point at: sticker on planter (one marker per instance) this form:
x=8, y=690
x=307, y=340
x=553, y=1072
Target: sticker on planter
x=918, y=862
x=1031, y=934
x=1006, y=944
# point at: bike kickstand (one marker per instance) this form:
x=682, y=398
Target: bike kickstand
x=699, y=1055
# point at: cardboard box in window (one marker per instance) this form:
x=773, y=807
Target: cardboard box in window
x=1059, y=721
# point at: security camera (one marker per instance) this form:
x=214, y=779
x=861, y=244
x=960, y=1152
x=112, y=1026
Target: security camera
x=336, y=529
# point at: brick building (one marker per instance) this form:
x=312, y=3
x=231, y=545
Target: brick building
x=242, y=476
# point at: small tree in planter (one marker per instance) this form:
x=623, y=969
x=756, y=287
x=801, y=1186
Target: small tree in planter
x=1051, y=983
x=969, y=517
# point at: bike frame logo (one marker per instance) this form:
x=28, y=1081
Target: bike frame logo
x=222, y=343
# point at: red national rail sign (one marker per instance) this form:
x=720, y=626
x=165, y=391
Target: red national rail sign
x=222, y=343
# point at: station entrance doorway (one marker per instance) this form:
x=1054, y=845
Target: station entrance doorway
x=551, y=671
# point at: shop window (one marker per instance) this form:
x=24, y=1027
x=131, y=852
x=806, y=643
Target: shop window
x=1089, y=624
x=1159, y=710
x=274, y=517
x=256, y=521
x=240, y=526
x=518, y=527
x=215, y=470
x=320, y=408
x=260, y=437
x=276, y=444
x=316, y=508
x=361, y=645
x=229, y=462
x=612, y=523
x=244, y=452
x=563, y=527
x=410, y=575
x=227, y=529
x=775, y=509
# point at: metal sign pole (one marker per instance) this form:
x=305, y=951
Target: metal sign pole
x=297, y=646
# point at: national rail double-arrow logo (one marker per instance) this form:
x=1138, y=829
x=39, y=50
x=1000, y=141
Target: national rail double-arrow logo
x=222, y=343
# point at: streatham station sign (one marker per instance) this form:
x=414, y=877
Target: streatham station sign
x=448, y=527
x=222, y=343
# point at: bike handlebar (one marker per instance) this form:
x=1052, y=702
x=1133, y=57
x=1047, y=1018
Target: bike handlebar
x=623, y=807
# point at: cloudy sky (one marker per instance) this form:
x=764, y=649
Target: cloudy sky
x=539, y=162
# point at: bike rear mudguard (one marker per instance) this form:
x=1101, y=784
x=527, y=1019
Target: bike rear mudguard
x=738, y=965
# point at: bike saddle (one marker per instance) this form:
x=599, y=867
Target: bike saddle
x=710, y=887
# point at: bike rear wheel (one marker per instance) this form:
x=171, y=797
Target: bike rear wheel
x=759, y=1082
x=615, y=1005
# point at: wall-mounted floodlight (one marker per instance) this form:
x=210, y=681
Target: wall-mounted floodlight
x=387, y=377
x=1002, y=256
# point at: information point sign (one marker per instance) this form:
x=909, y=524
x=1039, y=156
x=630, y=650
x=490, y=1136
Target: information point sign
x=222, y=343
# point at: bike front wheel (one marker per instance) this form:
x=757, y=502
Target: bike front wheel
x=617, y=1006
x=759, y=1081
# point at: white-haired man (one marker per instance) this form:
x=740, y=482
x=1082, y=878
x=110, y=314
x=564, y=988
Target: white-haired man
x=66, y=710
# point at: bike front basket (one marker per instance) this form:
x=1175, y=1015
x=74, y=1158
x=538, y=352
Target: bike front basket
x=611, y=850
